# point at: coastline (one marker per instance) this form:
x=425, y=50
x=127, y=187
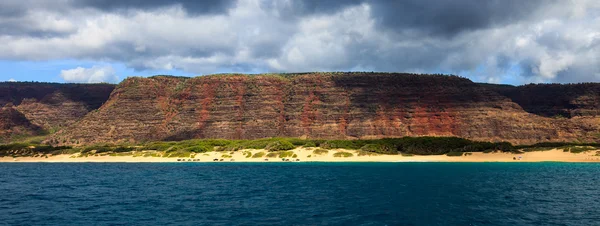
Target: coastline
x=307, y=155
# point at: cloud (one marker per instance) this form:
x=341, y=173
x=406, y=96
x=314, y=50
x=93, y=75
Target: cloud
x=190, y=6
x=95, y=74
x=12, y=80
x=490, y=41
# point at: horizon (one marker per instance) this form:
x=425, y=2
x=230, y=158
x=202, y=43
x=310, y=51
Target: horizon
x=284, y=73
x=499, y=42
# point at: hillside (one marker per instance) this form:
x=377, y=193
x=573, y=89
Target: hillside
x=554, y=100
x=331, y=106
x=39, y=108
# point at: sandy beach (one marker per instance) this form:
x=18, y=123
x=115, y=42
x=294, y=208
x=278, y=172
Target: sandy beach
x=307, y=155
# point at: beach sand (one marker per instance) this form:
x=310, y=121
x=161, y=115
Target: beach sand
x=556, y=155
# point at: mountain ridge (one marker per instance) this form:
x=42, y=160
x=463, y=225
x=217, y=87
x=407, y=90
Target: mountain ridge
x=35, y=108
x=355, y=105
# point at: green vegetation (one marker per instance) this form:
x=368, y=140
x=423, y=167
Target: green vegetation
x=226, y=156
x=454, y=153
x=537, y=149
x=407, y=146
x=258, y=155
x=578, y=149
x=380, y=148
x=342, y=154
x=30, y=149
x=280, y=145
x=286, y=154
x=310, y=144
x=366, y=153
x=150, y=154
x=320, y=151
x=118, y=154
x=178, y=154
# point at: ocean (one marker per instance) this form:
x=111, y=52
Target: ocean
x=299, y=194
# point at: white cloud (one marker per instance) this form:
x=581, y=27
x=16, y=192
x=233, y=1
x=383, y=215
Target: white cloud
x=12, y=80
x=560, y=42
x=95, y=74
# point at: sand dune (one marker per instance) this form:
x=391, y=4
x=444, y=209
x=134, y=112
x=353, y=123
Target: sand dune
x=307, y=155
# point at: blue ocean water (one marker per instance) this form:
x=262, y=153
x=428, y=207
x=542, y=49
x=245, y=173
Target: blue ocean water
x=299, y=194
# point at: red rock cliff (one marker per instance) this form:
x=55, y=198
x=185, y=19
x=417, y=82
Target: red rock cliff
x=38, y=108
x=315, y=105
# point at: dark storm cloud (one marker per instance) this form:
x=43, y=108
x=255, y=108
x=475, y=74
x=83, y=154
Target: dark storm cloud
x=298, y=9
x=191, y=6
x=436, y=17
x=450, y=17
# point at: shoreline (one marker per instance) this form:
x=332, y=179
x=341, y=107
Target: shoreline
x=307, y=155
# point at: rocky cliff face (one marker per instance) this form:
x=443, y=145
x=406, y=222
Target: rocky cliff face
x=329, y=106
x=13, y=123
x=38, y=108
x=554, y=100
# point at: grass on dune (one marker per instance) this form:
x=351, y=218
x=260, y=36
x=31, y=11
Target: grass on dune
x=407, y=146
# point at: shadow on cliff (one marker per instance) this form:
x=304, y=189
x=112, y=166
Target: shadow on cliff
x=554, y=100
x=92, y=95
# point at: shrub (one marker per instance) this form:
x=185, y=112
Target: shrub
x=151, y=154
x=248, y=154
x=344, y=144
x=380, y=148
x=310, y=144
x=231, y=147
x=537, y=149
x=158, y=146
x=226, y=156
x=280, y=146
x=66, y=151
x=273, y=155
x=296, y=141
x=97, y=149
x=320, y=151
x=578, y=149
x=119, y=154
x=454, y=153
x=258, y=155
x=286, y=154
x=123, y=149
x=198, y=149
x=177, y=153
x=343, y=154
x=366, y=153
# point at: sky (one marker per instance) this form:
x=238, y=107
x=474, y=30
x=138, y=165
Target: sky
x=495, y=41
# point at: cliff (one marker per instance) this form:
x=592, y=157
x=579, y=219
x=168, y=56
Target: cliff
x=13, y=124
x=554, y=100
x=329, y=106
x=39, y=108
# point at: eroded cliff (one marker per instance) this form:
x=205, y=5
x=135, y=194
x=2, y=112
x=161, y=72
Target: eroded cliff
x=319, y=105
x=39, y=108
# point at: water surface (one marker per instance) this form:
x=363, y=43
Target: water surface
x=299, y=193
